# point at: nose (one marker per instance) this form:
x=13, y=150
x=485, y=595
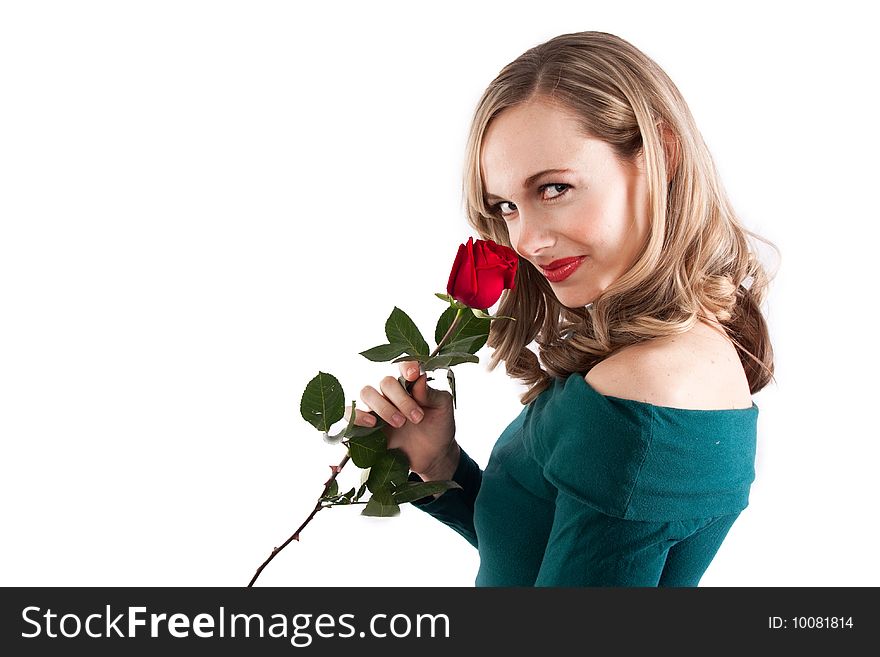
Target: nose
x=532, y=234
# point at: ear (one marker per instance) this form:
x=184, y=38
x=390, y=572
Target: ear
x=671, y=150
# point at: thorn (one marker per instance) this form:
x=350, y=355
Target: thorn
x=334, y=469
x=296, y=537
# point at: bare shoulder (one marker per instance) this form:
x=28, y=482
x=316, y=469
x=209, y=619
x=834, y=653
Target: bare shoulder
x=699, y=369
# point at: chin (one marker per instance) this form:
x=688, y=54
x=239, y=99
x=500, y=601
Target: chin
x=574, y=302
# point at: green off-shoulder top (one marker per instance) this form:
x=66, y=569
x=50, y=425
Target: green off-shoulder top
x=585, y=489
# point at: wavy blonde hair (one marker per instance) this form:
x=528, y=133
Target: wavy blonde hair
x=697, y=257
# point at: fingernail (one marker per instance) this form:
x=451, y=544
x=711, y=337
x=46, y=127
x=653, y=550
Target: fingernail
x=397, y=419
x=416, y=415
x=371, y=420
x=411, y=371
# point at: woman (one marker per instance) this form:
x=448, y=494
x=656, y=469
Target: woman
x=635, y=451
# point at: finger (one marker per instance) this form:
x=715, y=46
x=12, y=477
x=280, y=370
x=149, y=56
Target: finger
x=409, y=369
x=362, y=418
x=426, y=396
x=392, y=389
x=381, y=406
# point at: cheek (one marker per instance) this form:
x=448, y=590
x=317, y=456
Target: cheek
x=582, y=223
x=513, y=237
x=603, y=220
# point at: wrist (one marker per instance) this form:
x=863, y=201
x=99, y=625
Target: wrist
x=445, y=466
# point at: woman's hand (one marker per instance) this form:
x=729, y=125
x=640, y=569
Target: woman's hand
x=421, y=423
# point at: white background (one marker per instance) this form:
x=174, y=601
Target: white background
x=203, y=204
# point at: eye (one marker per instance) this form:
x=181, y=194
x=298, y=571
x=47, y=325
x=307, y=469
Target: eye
x=499, y=208
x=560, y=189
x=557, y=185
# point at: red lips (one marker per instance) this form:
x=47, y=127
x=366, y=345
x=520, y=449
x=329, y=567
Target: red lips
x=556, y=264
x=558, y=270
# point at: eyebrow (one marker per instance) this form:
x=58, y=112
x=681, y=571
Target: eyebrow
x=528, y=182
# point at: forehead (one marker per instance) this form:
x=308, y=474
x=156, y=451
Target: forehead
x=532, y=137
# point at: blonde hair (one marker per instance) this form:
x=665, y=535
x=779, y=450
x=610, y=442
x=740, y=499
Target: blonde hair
x=697, y=257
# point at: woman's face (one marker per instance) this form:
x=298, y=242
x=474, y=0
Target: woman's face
x=592, y=208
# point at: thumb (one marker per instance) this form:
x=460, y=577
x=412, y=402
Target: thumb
x=425, y=395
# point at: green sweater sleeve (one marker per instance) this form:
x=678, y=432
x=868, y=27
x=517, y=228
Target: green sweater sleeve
x=455, y=507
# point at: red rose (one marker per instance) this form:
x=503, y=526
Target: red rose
x=481, y=272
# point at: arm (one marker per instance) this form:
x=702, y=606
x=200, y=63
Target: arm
x=643, y=494
x=455, y=507
x=589, y=548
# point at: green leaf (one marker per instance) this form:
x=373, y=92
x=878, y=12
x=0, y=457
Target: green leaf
x=359, y=432
x=448, y=360
x=331, y=490
x=381, y=505
x=450, y=379
x=345, y=498
x=360, y=492
x=400, y=329
x=470, y=345
x=468, y=327
x=443, y=323
x=337, y=437
x=391, y=467
x=416, y=490
x=384, y=352
x=323, y=402
x=364, y=450
x=420, y=358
